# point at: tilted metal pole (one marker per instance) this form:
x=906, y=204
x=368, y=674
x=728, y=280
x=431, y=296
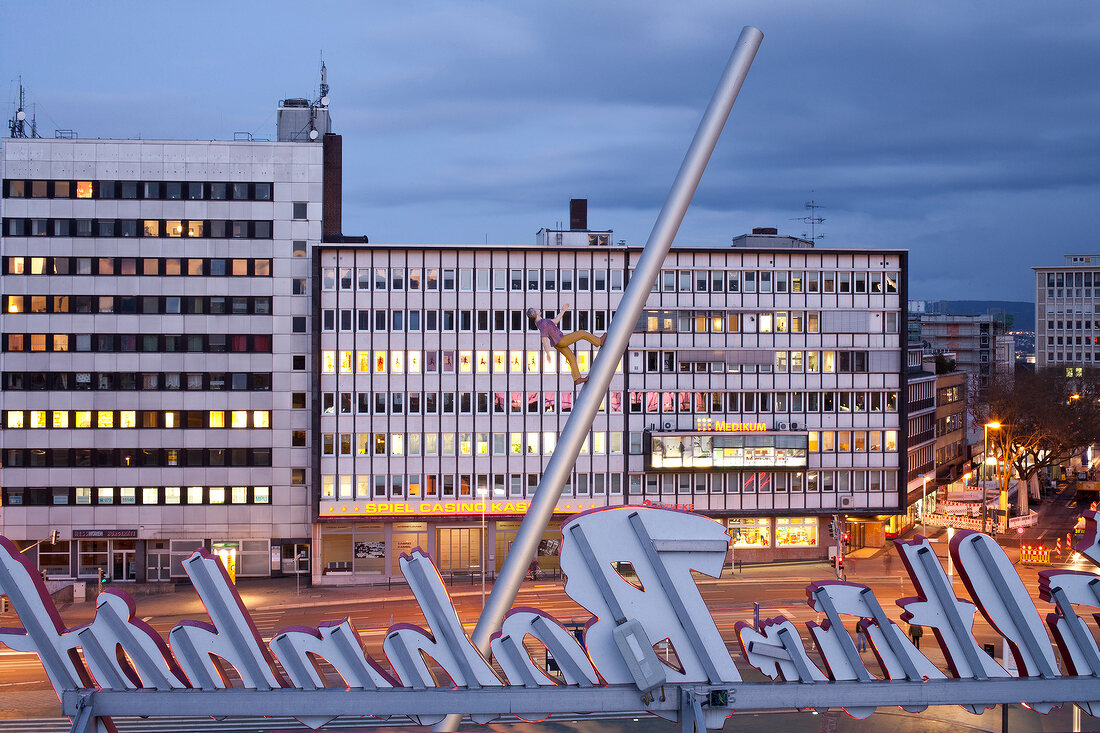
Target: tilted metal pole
x=626, y=316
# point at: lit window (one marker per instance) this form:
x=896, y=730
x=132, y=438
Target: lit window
x=105, y=419
x=150, y=496
x=174, y=228
x=60, y=418
x=83, y=495
x=127, y=419
x=261, y=494
x=217, y=494
x=397, y=362
x=328, y=362
x=152, y=228
x=194, y=228
x=127, y=495
x=328, y=487
x=238, y=494
x=106, y=495
x=82, y=419
x=414, y=362
x=217, y=419
x=171, y=419
x=380, y=362
x=15, y=418
x=38, y=418
x=261, y=419
x=345, y=362
x=465, y=361
x=83, y=189
x=171, y=495
x=238, y=419
x=397, y=444
x=15, y=304
x=38, y=342
x=194, y=494
x=61, y=342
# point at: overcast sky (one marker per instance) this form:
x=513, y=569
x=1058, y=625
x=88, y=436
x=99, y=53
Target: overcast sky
x=968, y=133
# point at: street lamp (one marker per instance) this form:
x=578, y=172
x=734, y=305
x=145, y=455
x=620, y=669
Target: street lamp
x=483, y=495
x=923, y=501
x=985, y=472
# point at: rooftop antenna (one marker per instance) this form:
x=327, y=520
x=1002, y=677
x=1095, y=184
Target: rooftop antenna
x=17, y=125
x=321, y=101
x=812, y=219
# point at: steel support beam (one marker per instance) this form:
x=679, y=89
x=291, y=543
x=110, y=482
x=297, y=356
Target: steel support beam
x=748, y=696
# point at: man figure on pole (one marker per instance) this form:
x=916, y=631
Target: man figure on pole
x=552, y=336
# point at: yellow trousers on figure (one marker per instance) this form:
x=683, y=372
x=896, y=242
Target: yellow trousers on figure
x=568, y=340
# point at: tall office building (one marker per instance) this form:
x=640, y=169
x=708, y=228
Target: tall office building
x=1067, y=331
x=763, y=386
x=156, y=342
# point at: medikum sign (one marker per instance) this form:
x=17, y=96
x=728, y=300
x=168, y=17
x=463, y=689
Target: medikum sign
x=223, y=667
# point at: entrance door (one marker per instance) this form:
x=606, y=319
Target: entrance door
x=159, y=567
x=123, y=566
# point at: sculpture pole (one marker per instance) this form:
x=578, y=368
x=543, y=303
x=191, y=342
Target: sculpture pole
x=622, y=325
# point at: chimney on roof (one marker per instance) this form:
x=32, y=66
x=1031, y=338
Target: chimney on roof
x=578, y=214
x=765, y=230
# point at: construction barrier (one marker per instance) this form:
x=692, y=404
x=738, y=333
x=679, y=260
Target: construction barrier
x=1038, y=554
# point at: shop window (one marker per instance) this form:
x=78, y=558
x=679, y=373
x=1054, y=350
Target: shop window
x=750, y=533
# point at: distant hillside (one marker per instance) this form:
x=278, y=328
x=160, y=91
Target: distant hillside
x=1023, y=313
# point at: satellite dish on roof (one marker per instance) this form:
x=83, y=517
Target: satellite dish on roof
x=313, y=134
x=20, y=115
x=324, y=101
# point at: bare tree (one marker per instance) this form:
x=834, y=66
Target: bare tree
x=1045, y=417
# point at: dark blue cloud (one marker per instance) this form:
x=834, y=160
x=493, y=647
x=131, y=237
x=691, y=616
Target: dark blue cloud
x=963, y=132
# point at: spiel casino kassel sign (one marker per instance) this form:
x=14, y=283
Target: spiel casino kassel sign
x=223, y=667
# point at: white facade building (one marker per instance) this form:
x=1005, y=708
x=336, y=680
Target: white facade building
x=1067, y=331
x=763, y=387
x=155, y=347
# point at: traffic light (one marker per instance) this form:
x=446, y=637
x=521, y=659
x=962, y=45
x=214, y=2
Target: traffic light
x=102, y=576
x=832, y=529
x=55, y=535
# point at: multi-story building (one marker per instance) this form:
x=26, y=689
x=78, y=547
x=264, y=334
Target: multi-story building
x=951, y=427
x=1067, y=331
x=920, y=477
x=156, y=342
x=761, y=387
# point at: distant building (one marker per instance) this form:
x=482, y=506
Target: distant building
x=1067, y=299
x=973, y=340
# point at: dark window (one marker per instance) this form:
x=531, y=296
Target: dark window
x=299, y=210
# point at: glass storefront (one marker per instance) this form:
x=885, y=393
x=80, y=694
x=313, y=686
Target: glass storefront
x=757, y=532
x=796, y=531
x=709, y=451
